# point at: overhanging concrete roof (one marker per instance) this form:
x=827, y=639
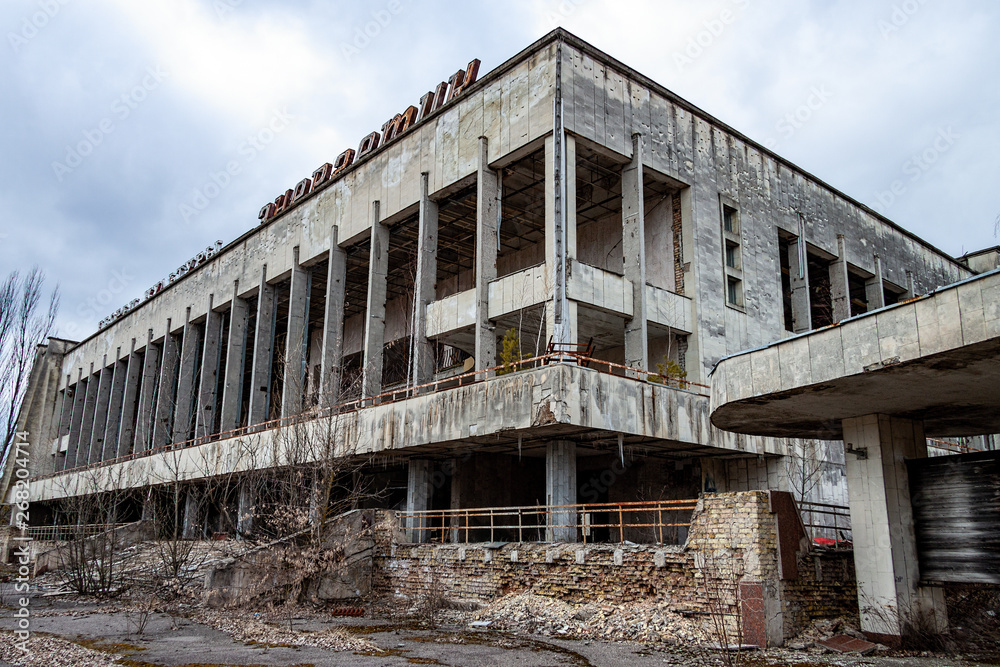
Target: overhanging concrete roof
x=935, y=358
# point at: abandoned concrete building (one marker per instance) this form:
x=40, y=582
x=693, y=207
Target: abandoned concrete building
x=510, y=296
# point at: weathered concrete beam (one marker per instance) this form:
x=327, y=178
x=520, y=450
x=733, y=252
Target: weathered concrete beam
x=87, y=425
x=798, y=269
x=634, y=250
x=560, y=489
x=76, y=420
x=187, y=382
x=101, y=407
x=133, y=380
x=263, y=352
x=874, y=289
x=378, y=270
x=166, y=391
x=423, y=285
x=333, y=323
x=418, y=498
x=560, y=234
x=296, y=342
x=840, y=291
x=487, y=225
x=112, y=423
x=147, y=395
x=232, y=389
x=208, y=381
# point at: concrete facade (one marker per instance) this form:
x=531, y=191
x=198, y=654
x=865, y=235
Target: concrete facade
x=562, y=196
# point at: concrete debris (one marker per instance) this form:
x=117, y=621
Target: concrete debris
x=44, y=651
x=847, y=644
x=245, y=629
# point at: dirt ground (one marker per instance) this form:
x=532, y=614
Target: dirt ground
x=70, y=631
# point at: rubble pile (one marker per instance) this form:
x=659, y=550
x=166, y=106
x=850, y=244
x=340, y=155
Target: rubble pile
x=824, y=629
x=253, y=630
x=44, y=651
x=646, y=622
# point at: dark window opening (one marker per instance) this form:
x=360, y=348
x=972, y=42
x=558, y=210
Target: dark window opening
x=786, y=283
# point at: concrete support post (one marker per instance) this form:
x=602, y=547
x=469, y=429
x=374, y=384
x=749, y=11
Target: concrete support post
x=65, y=418
x=840, y=290
x=76, y=420
x=87, y=425
x=187, y=382
x=245, y=508
x=560, y=235
x=192, y=526
x=133, y=379
x=634, y=249
x=208, y=382
x=874, y=290
x=487, y=224
x=333, y=323
x=418, y=498
x=560, y=490
x=232, y=388
x=102, y=404
x=885, y=553
x=263, y=353
x=799, y=275
x=296, y=342
x=166, y=391
x=378, y=269
x=147, y=395
x=112, y=423
x=423, y=285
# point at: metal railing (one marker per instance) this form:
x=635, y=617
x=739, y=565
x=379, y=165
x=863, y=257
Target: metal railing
x=658, y=521
x=69, y=533
x=824, y=521
x=396, y=395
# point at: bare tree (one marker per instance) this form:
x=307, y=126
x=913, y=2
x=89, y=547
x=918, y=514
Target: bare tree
x=23, y=325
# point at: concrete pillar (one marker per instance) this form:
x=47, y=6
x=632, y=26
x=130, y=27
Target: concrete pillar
x=133, y=379
x=166, y=390
x=487, y=224
x=87, y=424
x=263, y=353
x=885, y=553
x=333, y=324
x=192, y=526
x=874, y=291
x=418, y=498
x=208, y=381
x=76, y=419
x=147, y=396
x=65, y=418
x=232, y=389
x=840, y=290
x=560, y=234
x=245, y=508
x=378, y=269
x=187, y=381
x=296, y=342
x=423, y=285
x=560, y=489
x=634, y=249
x=102, y=405
x=799, y=275
x=112, y=424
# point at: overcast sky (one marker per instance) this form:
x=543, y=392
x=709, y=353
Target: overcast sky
x=117, y=113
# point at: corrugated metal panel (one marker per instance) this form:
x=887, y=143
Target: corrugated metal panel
x=956, y=515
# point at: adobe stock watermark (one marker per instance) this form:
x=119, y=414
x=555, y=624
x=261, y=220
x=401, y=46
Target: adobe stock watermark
x=915, y=168
x=121, y=109
x=21, y=495
x=95, y=307
x=703, y=40
x=794, y=120
x=223, y=8
x=364, y=34
x=563, y=11
x=32, y=25
x=899, y=16
x=218, y=181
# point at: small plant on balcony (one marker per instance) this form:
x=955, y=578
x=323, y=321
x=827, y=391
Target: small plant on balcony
x=510, y=352
x=670, y=373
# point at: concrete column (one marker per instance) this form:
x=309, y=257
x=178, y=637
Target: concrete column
x=208, y=382
x=333, y=324
x=874, y=291
x=634, y=249
x=166, y=390
x=418, y=498
x=560, y=489
x=112, y=425
x=378, y=269
x=192, y=526
x=799, y=275
x=232, y=389
x=76, y=420
x=840, y=290
x=487, y=224
x=147, y=396
x=102, y=405
x=885, y=553
x=133, y=378
x=560, y=234
x=296, y=342
x=423, y=285
x=245, y=508
x=263, y=353
x=187, y=381
x=87, y=425
x=65, y=418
